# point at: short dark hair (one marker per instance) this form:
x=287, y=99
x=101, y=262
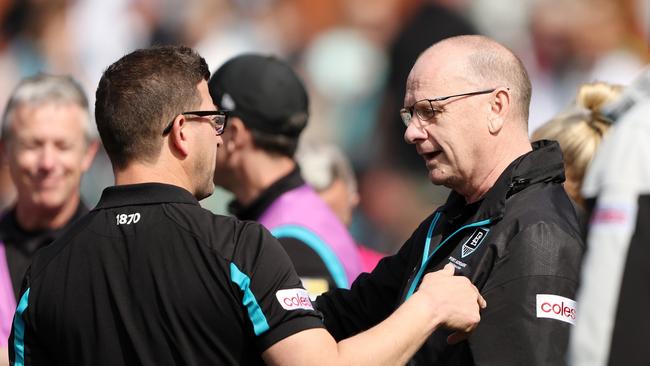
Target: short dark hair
x=140, y=93
x=275, y=144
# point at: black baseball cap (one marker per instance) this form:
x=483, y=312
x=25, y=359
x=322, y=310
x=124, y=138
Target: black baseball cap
x=264, y=92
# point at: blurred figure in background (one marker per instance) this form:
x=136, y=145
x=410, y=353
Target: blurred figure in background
x=328, y=171
x=270, y=108
x=579, y=130
x=48, y=142
x=613, y=326
x=581, y=41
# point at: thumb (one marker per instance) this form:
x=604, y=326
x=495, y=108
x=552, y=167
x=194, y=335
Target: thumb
x=449, y=269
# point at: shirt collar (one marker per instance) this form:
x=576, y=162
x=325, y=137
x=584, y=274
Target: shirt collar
x=12, y=232
x=144, y=194
x=543, y=164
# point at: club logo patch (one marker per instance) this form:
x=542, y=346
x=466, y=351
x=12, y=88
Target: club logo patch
x=474, y=241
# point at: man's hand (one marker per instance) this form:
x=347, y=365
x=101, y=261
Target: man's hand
x=455, y=300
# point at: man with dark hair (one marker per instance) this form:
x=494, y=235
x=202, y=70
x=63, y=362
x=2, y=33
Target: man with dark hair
x=148, y=277
x=48, y=142
x=507, y=225
x=270, y=107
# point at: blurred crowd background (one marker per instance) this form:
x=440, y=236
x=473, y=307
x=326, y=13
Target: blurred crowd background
x=354, y=56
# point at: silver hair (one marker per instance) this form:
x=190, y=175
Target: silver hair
x=42, y=89
x=322, y=163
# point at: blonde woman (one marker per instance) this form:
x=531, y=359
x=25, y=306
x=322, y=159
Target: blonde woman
x=579, y=130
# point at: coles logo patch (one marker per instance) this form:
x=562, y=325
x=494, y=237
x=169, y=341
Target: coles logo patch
x=294, y=299
x=556, y=307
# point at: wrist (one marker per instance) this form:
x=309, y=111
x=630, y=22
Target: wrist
x=426, y=310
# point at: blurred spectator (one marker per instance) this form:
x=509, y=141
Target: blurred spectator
x=581, y=41
x=49, y=143
x=258, y=167
x=579, y=131
x=327, y=170
x=613, y=326
x=346, y=99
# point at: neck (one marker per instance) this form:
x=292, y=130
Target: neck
x=160, y=172
x=501, y=158
x=31, y=217
x=257, y=174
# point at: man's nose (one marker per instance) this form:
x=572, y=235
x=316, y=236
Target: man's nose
x=414, y=132
x=48, y=157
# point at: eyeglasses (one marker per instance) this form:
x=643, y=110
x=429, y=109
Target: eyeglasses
x=425, y=110
x=219, y=119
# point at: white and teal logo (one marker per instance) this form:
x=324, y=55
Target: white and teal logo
x=474, y=241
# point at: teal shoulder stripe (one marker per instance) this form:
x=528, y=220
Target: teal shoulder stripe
x=331, y=260
x=19, y=330
x=255, y=314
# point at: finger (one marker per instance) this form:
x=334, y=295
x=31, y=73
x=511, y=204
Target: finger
x=457, y=337
x=481, y=302
x=449, y=269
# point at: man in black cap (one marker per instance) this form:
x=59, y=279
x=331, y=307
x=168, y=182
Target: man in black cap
x=269, y=105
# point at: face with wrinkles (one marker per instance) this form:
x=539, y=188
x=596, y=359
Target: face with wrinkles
x=452, y=142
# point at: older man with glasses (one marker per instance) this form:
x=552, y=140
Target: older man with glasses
x=507, y=225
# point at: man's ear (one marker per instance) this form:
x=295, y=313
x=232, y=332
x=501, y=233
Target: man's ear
x=237, y=135
x=499, y=109
x=178, y=138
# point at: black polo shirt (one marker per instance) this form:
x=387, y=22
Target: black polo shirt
x=148, y=277
x=20, y=244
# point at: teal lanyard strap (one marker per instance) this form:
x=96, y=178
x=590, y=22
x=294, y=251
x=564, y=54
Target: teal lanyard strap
x=427, y=244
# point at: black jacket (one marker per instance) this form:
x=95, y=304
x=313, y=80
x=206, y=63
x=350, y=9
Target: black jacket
x=520, y=241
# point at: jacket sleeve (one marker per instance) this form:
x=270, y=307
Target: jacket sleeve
x=372, y=296
x=530, y=296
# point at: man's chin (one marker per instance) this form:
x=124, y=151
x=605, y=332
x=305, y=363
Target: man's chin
x=445, y=181
x=437, y=179
x=49, y=204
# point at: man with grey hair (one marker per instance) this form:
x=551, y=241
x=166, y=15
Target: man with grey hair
x=48, y=142
x=507, y=225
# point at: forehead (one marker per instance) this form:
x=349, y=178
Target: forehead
x=48, y=119
x=434, y=75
